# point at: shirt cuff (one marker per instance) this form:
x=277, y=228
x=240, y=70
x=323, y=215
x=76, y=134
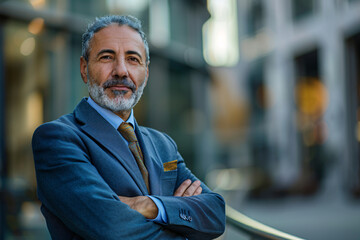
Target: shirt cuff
x=161, y=217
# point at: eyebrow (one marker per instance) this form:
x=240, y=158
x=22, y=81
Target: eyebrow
x=105, y=51
x=134, y=52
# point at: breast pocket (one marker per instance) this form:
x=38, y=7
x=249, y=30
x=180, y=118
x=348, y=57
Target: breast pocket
x=168, y=182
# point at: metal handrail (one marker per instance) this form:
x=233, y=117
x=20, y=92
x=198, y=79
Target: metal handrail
x=254, y=228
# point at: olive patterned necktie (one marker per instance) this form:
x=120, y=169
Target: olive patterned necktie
x=127, y=131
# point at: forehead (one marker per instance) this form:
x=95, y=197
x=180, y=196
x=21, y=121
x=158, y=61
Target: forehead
x=117, y=38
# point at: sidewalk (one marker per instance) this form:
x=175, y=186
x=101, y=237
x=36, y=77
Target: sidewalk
x=329, y=215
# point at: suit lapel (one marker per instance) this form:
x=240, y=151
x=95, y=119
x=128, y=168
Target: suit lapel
x=107, y=136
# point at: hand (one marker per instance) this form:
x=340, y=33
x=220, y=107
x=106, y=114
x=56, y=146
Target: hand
x=188, y=189
x=142, y=204
x=148, y=208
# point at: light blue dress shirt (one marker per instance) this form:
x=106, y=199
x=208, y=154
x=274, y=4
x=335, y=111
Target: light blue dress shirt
x=115, y=121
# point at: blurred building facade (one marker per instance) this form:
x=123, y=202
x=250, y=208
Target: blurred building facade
x=289, y=110
x=275, y=112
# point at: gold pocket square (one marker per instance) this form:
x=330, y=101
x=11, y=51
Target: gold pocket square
x=169, y=166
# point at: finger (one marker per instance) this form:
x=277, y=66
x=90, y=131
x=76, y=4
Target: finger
x=182, y=188
x=125, y=200
x=192, y=188
x=122, y=199
x=198, y=191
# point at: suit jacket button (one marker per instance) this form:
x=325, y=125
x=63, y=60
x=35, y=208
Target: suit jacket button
x=182, y=216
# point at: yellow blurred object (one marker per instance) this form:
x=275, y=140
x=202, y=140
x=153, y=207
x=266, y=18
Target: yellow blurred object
x=37, y=3
x=36, y=25
x=34, y=112
x=312, y=97
x=28, y=46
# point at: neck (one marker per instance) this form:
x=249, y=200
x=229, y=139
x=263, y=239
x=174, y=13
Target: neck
x=124, y=114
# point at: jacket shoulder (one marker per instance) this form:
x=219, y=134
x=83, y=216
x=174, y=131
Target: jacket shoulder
x=63, y=124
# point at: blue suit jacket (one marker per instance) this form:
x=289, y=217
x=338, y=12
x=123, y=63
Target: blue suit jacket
x=82, y=165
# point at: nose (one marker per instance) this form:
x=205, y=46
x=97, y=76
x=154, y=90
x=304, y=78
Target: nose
x=119, y=69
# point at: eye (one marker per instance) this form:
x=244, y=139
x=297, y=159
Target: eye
x=106, y=57
x=134, y=59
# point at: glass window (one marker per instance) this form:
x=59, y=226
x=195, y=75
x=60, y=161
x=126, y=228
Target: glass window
x=92, y=9
x=178, y=22
x=311, y=97
x=256, y=17
x=259, y=145
x=353, y=107
x=307, y=65
x=303, y=8
x=186, y=21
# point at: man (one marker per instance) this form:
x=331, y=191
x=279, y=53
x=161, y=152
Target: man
x=96, y=178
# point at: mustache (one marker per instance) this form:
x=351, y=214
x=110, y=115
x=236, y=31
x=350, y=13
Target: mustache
x=124, y=82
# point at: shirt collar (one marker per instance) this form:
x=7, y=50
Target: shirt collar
x=111, y=117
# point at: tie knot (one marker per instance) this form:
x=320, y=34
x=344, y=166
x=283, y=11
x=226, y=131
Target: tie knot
x=127, y=131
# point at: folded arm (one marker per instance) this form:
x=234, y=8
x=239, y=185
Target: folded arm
x=193, y=210
x=145, y=206
x=199, y=216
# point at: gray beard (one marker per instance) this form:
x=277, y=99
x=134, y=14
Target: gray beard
x=119, y=103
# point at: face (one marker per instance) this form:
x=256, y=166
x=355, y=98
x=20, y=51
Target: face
x=116, y=72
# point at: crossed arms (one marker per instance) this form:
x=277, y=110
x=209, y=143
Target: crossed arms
x=79, y=184
x=145, y=206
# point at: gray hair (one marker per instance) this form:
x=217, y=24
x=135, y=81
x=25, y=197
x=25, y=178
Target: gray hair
x=104, y=22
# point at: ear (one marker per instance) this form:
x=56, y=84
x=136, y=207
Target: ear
x=83, y=69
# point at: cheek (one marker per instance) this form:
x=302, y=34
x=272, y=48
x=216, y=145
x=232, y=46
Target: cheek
x=99, y=76
x=139, y=77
